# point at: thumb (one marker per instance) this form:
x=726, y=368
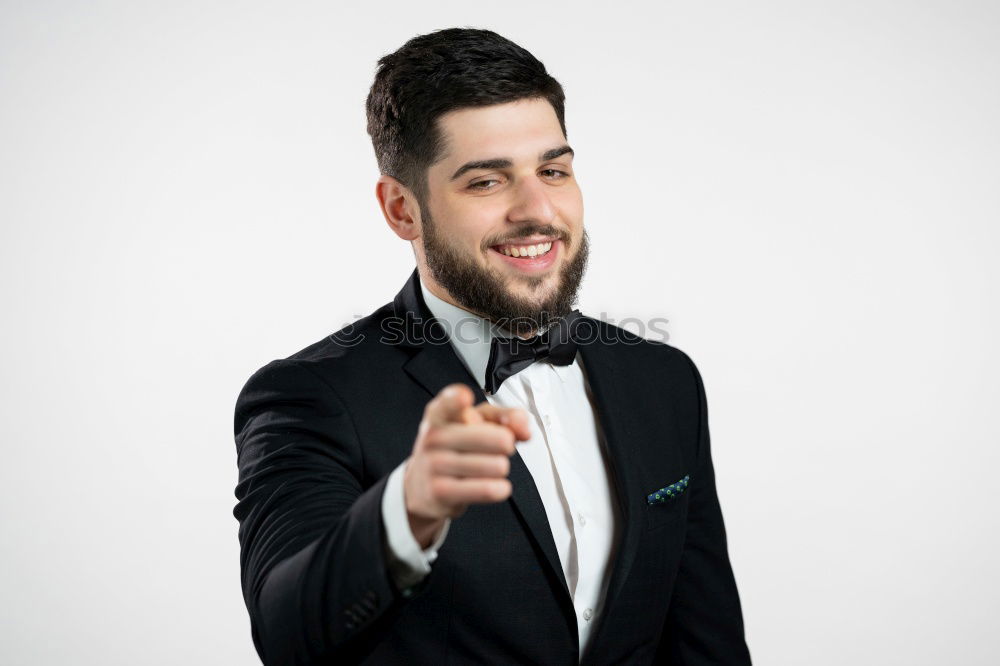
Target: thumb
x=514, y=418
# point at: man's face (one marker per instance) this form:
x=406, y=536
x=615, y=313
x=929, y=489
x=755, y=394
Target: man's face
x=505, y=186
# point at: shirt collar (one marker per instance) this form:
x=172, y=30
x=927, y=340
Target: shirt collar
x=472, y=335
x=469, y=333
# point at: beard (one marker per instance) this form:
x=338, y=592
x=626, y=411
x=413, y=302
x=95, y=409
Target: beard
x=486, y=292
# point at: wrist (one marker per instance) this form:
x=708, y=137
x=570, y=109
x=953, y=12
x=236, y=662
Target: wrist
x=424, y=529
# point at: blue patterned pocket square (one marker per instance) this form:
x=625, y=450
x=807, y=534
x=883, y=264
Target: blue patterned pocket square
x=668, y=492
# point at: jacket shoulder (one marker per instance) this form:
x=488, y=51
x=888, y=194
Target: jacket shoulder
x=357, y=339
x=346, y=355
x=639, y=347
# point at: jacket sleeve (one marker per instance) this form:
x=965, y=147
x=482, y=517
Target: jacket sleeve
x=312, y=542
x=408, y=562
x=704, y=623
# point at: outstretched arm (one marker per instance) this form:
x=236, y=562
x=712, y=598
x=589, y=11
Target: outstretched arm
x=321, y=574
x=313, y=544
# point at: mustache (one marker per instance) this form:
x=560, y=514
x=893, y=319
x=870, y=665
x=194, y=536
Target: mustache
x=548, y=231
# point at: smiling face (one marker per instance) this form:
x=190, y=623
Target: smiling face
x=501, y=230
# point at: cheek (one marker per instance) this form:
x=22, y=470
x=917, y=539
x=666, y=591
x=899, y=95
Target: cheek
x=466, y=225
x=570, y=204
x=474, y=225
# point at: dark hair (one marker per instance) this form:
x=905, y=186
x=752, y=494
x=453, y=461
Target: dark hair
x=439, y=72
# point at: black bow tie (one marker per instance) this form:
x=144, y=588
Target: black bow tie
x=508, y=356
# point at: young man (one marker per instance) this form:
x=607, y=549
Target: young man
x=475, y=472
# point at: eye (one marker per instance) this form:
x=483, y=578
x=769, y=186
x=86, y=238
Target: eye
x=479, y=185
x=559, y=175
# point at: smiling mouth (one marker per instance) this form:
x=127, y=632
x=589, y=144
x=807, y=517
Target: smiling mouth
x=523, y=250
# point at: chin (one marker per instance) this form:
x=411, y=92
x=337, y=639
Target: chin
x=533, y=284
x=548, y=287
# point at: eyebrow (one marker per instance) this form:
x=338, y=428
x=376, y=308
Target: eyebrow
x=506, y=162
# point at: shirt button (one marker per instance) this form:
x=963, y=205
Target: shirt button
x=587, y=614
x=547, y=419
x=582, y=518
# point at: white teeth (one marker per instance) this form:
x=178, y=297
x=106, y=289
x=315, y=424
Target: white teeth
x=526, y=250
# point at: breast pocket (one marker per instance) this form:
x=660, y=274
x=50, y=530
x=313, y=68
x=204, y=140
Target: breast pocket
x=672, y=511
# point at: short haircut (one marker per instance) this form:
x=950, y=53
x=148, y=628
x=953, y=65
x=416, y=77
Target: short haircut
x=442, y=71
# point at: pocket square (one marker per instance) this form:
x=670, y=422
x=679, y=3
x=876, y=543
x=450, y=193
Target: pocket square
x=668, y=492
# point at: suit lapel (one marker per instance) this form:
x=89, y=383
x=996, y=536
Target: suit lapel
x=434, y=365
x=613, y=387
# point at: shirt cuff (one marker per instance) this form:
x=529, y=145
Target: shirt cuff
x=408, y=563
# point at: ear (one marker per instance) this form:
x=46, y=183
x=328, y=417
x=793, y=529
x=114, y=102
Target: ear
x=399, y=207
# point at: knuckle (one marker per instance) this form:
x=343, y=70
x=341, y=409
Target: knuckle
x=506, y=440
x=438, y=462
x=433, y=438
x=499, y=491
x=439, y=490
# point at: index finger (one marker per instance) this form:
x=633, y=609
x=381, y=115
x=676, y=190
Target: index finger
x=452, y=405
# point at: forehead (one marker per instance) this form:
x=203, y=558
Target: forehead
x=518, y=130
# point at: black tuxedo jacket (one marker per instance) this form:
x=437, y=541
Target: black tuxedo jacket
x=318, y=433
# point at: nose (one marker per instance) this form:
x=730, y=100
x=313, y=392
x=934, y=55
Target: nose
x=531, y=203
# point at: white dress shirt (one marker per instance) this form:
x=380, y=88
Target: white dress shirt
x=565, y=458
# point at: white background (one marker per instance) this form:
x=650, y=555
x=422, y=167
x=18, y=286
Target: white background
x=807, y=190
